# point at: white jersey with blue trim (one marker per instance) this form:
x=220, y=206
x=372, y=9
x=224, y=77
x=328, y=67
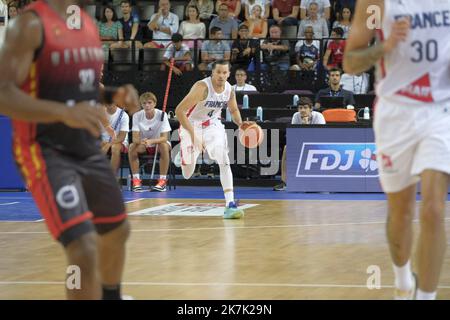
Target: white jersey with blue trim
x=417, y=71
x=211, y=107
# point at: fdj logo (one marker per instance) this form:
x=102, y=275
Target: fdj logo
x=346, y=160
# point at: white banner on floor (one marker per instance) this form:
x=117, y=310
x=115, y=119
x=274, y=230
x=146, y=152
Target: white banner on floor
x=187, y=209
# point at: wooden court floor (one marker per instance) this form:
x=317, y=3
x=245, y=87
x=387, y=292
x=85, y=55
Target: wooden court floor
x=280, y=250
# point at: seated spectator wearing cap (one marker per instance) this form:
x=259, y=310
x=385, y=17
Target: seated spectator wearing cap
x=181, y=54
x=243, y=49
x=304, y=115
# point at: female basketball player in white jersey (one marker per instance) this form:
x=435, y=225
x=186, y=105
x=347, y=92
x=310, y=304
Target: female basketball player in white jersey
x=412, y=126
x=200, y=128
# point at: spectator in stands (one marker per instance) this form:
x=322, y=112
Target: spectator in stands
x=339, y=4
x=319, y=24
x=275, y=51
x=243, y=49
x=307, y=52
x=192, y=28
x=148, y=131
x=214, y=49
x=285, y=12
x=304, y=115
x=13, y=10
x=233, y=7
x=163, y=24
x=118, y=142
x=130, y=27
x=358, y=83
x=131, y=103
x=109, y=27
x=257, y=25
x=229, y=26
x=205, y=7
x=3, y=18
x=241, y=85
x=181, y=54
x=323, y=8
x=335, y=90
x=335, y=50
x=345, y=21
x=264, y=4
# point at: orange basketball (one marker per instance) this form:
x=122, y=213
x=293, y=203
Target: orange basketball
x=252, y=136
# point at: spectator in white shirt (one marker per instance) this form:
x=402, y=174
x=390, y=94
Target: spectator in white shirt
x=358, y=83
x=148, y=131
x=116, y=143
x=192, y=28
x=305, y=115
x=163, y=24
x=241, y=77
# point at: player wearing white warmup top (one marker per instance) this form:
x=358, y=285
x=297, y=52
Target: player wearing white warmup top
x=412, y=126
x=200, y=128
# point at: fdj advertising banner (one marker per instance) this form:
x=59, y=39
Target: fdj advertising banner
x=331, y=159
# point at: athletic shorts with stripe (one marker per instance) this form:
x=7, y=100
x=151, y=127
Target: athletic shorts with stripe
x=75, y=196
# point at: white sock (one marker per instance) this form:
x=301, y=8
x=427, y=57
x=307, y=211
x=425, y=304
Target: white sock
x=136, y=176
x=163, y=177
x=226, y=179
x=403, y=277
x=229, y=197
x=422, y=295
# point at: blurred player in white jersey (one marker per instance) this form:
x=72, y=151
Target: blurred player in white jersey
x=199, y=114
x=412, y=126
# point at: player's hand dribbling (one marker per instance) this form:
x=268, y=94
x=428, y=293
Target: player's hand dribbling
x=399, y=32
x=85, y=116
x=246, y=124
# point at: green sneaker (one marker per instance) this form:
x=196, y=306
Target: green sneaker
x=233, y=212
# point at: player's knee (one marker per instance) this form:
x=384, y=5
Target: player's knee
x=83, y=252
x=432, y=213
x=116, y=233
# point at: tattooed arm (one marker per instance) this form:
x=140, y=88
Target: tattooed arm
x=358, y=57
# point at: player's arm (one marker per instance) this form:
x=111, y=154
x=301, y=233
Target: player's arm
x=358, y=57
x=234, y=109
x=136, y=137
x=235, y=113
x=197, y=94
x=23, y=38
x=120, y=137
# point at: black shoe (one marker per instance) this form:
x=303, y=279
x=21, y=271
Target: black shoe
x=280, y=187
